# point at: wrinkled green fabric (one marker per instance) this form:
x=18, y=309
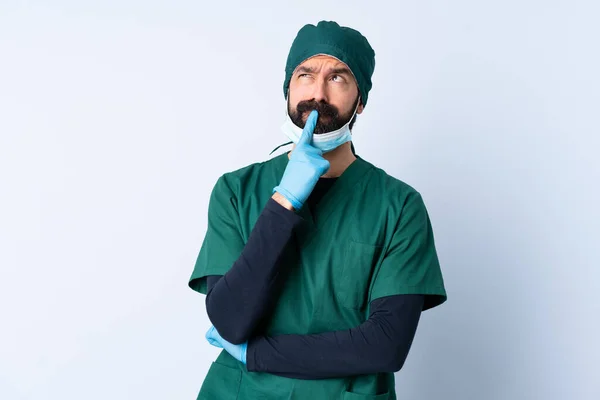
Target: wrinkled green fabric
x=345, y=44
x=369, y=237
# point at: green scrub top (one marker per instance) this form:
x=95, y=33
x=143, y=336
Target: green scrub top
x=369, y=237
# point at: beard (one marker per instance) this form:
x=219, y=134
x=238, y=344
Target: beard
x=329, y=117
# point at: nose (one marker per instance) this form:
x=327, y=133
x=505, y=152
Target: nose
x=320, y=91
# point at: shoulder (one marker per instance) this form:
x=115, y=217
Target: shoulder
x=234, y=180
x=390, y=188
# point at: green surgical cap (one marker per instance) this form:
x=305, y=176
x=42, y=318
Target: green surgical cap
x=345, y=44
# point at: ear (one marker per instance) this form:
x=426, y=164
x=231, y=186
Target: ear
x=360, y=108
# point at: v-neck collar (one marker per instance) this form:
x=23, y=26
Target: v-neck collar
x=349, y=178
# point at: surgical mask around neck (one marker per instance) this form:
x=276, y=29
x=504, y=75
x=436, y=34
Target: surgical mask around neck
x=324, y=141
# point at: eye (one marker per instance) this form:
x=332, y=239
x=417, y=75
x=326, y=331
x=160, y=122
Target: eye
x=303, y=75
x=338, y=78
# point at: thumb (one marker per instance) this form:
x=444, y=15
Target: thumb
x=309, y=127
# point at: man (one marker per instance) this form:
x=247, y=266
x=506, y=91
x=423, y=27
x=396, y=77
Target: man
x=316, y=264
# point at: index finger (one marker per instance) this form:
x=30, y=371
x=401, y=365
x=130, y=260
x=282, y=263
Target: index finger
x=309, y=127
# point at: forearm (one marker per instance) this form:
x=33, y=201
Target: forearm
x=237, y=301
x=380, y=344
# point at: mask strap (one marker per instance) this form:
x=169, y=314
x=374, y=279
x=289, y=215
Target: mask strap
x=281, y=145
x=352, y=143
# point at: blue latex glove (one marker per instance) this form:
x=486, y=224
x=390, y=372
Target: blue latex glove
x=304, y=168
x=237, y=351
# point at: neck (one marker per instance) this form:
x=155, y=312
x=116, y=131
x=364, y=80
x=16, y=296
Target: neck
x=339, y=159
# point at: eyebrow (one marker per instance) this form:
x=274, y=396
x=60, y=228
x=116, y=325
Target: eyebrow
x=339, y=70
x=308, y=70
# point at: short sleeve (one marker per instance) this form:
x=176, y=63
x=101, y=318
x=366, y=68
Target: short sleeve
x=410, y=265
x=223, y=242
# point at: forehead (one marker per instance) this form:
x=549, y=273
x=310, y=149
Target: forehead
x=322, y=61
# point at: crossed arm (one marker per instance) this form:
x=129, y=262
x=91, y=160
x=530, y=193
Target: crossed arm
x=237, y=301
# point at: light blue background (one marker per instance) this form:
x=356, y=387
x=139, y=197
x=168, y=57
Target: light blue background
x=117, y=117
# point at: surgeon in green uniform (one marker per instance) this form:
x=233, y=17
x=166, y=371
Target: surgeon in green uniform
x=367, y=240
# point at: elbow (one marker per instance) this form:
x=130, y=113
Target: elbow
x=227, y=327
x=234, y=337
x=233, y=328
x=394, y=359
x=394, y=365
x=230, y=331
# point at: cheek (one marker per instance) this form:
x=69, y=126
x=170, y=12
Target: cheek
x=343, y=104
x=349, y=101
x=296, y=96
x=301, y=89
x=343, y=96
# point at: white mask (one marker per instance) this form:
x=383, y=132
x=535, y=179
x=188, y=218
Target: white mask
x=325, y=141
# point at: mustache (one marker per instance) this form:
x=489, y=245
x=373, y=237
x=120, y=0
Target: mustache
x=324, y=109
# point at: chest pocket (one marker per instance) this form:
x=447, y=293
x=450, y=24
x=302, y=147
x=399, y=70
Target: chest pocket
x=360, y=260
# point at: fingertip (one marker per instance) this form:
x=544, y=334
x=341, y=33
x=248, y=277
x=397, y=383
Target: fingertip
x=309, y=127
x=312, y=119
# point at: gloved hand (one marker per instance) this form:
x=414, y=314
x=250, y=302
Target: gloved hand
x=304, y=168
x=237, y=351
